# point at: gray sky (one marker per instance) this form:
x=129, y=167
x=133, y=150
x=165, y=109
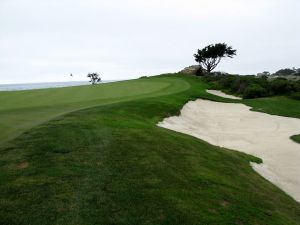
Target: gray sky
x=46, y=40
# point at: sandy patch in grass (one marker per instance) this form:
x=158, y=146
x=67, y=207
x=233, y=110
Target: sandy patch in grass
x=23, y=165
x=222, y=94
x=234, y=126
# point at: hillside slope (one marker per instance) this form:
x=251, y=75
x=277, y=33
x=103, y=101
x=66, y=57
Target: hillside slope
x=111, y=164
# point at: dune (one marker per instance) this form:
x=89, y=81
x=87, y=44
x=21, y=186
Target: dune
x=222, y=94
x=235, y=127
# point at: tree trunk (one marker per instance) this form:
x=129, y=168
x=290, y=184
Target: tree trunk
x=208, y=69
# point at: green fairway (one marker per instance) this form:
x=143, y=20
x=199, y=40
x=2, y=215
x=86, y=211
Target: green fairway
x=22, y=110
x=94, y=155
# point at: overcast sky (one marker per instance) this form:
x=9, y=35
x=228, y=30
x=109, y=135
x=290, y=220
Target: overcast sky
x=46, y=40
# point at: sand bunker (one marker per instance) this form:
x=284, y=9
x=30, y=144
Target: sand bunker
x=222, y=94
x=234, y=126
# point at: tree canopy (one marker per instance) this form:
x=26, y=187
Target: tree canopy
x=285, y=72
x=94, y=78
x=210, y=56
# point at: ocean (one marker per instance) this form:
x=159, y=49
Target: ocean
x=31, y=86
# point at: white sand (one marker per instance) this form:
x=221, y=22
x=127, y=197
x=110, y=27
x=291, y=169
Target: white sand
x=222, y=94
x=234, y=126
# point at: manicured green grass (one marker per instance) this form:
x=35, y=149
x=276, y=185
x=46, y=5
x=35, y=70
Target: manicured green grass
x=111, y=164
x=22, y=110
x=281, y=106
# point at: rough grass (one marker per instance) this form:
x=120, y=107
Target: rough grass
x=111, y=164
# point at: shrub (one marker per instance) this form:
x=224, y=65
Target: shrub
x=285, y=72
x=254, y=91
x=295, y=95
x=252, y=87
x=200, y=72
x=281, y=86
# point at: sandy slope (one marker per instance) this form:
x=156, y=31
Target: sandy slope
x=222, y=94
x=234, y=126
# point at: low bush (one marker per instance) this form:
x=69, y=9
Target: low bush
x=254, y=87
x=254, y=91
x=281, y=86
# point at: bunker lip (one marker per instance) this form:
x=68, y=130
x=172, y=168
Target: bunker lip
x=234, y=126
x=222, y=94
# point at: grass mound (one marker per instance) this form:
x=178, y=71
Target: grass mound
x=111, y=164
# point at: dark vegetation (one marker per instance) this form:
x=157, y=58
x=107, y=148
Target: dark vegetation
x=296, y=138
x=94, y=78
x=254, y=87
x=246, y=86
x=210, y=56
x=288, y=71
x=111, y=164
x=282, y=73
